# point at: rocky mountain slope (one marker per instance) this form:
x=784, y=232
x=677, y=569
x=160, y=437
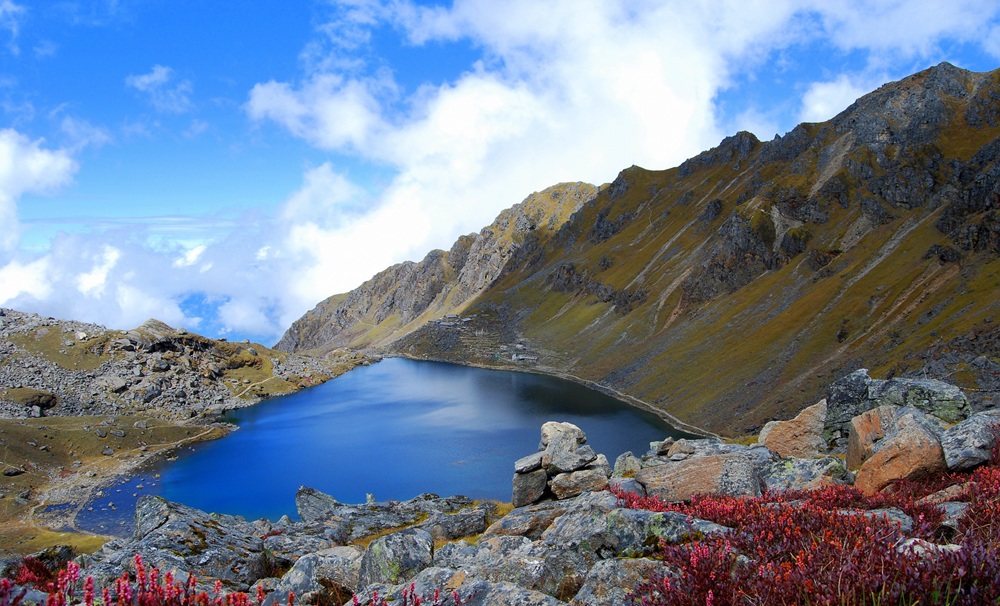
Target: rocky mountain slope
x=729, y=290
x=407, y=295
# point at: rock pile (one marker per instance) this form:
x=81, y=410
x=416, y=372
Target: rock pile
x=564, y=466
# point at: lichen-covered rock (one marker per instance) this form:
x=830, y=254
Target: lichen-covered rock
x=846, y=398
x=449, y=526
x=806, y=474
x=636, y=532
x=329, y=576
x=610, y=582
x=733, y=474
x=970, y=443
x=396, y=557
x=555, y=571
x=801, y=437
x=529, y=521
x=626, y=465
x=942, y=400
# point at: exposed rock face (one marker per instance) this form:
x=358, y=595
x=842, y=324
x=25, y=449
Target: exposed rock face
x=801, y=437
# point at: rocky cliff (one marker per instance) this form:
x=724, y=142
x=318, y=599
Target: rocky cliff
x=728, y=290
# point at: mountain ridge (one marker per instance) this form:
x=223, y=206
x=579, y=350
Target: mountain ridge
x=727, y=290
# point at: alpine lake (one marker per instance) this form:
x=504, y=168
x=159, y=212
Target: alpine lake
x=392, y=430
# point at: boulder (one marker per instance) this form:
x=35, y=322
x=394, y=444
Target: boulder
x=865, y=430
x=637, y=532
x=610, y=582
x=806, y=474
x=942, y=400
x=553, y=571
x=556, y=431
x=724, y=474
x=329, y=576
x=846, y=398
x=450, y=526
x=801, y=437
x=564, y=448
x=566, y=485
x=396, y=557
x=626, y=465
x=529, y=521
x=529, y=487
x=910, y=451
x=971, y=442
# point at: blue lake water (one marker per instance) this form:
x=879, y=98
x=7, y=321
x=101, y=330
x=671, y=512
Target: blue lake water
x=394, y=429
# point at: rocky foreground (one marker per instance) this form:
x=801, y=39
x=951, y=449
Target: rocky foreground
x=575, y=534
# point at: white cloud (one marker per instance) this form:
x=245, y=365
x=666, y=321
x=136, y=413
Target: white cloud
x=11, y=15
x=190, y=257
x=81, y=133
x=824, y=100
x=91, y=284
x=909, y=28
x=27, y=167
x=164, y=92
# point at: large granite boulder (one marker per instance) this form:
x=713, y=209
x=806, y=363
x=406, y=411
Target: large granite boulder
x=971, y=442
x=806, y=474
x=733, y=474
x=396, y=557
x=942, y=400
x=801, y=437
x=909, y=450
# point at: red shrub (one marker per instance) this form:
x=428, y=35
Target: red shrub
x=825, y=548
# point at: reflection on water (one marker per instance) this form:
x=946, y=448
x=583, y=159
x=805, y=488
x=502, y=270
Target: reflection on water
x=395, y=429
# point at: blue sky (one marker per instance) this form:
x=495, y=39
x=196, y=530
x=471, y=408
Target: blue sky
x=224, y=166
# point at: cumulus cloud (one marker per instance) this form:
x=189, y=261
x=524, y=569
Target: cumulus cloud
x=26, y=166
x=824, y=100
x=163, y=90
